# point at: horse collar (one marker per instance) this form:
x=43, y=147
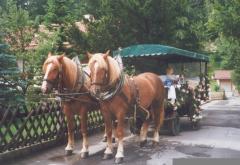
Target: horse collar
x=80, y=76
x=111, y=90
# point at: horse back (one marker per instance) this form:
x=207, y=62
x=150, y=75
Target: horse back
x=150, y=86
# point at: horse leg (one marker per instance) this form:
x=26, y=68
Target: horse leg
x=108, y=127
x=105, y=135
x=159, y=118
x=113, y=134
x=143, y=133
x=120, y=134
x=70, y=126
x=84, y=151
x=114, y=131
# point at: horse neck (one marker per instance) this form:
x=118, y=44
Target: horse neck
x=69, y=73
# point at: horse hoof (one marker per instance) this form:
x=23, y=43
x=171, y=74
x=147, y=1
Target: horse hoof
x=104, y=139
x=68, y=152
x=113, y=140
x=143, y=143
x=119, y=160
x=84, y=155
x=107, y=156
x=154, y=144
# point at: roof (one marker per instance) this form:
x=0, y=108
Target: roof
x=146, y=50
x=222, y=74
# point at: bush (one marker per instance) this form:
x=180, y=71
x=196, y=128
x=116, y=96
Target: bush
x=216, y=88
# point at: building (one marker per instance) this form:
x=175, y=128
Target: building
x=224, y=80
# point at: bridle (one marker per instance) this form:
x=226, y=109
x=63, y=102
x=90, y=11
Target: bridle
x=104, y=81
x=57, y=81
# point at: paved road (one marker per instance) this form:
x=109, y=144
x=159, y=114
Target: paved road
x=218, y=138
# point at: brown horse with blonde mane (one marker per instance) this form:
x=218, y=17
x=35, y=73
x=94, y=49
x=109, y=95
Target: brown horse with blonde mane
x=72, y=80
x=145, y=90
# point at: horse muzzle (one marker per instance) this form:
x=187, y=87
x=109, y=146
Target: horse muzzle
x=46, y=87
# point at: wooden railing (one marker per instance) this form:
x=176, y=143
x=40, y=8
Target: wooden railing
x=22, y=127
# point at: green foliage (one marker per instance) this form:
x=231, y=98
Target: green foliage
x=123, y=23
x=36, y=9
x=216, y=88
x=59, y=11
x=130, y=70
x=236, y=78
x=15, y=25
x=10, y=89
x=77, y=39
x=223, y=29
x=47, y=43
x=186, y=24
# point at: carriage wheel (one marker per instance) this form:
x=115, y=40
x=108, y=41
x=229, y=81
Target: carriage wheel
x=196, y=125
x=174, y=126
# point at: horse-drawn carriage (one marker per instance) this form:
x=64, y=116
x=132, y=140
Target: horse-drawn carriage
x=116, y=94
x=184, y=90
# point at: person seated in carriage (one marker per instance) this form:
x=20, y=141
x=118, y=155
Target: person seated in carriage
x=171, y=82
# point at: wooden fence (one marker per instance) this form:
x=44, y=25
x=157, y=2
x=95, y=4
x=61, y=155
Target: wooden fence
x=22, y=127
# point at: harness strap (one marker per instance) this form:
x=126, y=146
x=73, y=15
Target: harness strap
x=112, y=90
x=136, y=101
x=65, y=94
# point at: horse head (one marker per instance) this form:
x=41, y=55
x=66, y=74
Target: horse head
x=51, y=69
x=104, y=71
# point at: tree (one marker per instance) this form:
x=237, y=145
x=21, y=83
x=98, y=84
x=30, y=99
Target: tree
x=123, y=23
x=16, y=27
x=60, y=11
x=10, y=89
x=223, y=29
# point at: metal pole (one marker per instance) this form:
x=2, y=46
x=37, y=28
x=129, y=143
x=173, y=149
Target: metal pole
x=200, y=67
x=206, y=69
x=182, y=68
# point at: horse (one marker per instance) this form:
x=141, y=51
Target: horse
x=145, y=91
x=60, y=70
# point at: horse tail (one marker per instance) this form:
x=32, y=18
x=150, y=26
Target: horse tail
x=162, y=114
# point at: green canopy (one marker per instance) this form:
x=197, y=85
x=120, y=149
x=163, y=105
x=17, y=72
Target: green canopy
x=160, y=51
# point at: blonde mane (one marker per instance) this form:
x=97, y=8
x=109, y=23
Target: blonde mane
x=111, y=66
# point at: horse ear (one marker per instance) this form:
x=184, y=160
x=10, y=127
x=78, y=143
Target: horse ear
x=60, y=58
x=89, y=55
x=108, y=51
x=49, y=54
x=106, y=54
